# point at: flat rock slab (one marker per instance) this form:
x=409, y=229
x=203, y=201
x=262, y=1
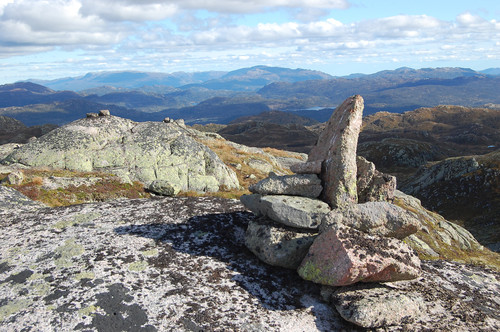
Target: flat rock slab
x=306, y=185
x=336, y=148
x=180, y=264
x=372, y=306
x=166, y=264
x=376, y=218
x=278, y=246
x=293, y=211
x=342, y=256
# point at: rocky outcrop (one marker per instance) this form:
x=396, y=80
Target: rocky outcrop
x=442, y=171
x=181, y=264
x=145, y=152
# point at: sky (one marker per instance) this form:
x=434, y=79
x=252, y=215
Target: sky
x=48, y=39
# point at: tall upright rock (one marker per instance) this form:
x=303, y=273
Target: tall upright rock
x=336, y=151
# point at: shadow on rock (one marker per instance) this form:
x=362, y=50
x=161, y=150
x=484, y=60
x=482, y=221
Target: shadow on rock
x=221, y=236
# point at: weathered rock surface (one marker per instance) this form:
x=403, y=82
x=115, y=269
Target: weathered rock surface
x=342, y=256
x=309, y=167
x=145, y=151
x=376, y=218
x=15, y=177
x=164, y=188
x=372, y=306
x=372, y=185
x=306, y=185
x=445, y=170
x=336, y=146
x=293, y=211
x=277, y=245
x=180, y=264
x=13, y=201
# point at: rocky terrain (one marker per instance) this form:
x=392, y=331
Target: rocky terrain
x=206, y=263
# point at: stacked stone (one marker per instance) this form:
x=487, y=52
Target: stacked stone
x=333, y=222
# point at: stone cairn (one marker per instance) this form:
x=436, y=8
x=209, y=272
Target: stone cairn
x=333, y=220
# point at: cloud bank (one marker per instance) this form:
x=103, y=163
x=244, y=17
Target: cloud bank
x=157, y=34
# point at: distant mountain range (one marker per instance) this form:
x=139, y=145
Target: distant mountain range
x=221, y=97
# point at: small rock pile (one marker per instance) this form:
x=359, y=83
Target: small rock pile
x=333, y=221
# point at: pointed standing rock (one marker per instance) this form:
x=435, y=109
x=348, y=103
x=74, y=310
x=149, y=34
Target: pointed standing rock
x=336, y=148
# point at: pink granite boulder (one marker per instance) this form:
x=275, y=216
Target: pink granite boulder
x=342, y=256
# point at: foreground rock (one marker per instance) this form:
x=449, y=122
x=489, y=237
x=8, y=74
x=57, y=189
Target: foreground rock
x=376, y=305
x=277, y=245
x=145, y=152
x=342, y=256
x=180, y=264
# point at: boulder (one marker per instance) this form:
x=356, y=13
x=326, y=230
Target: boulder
x=307, y=185
x=144, y=151
x=342, y=256
x=104, y=113
x=372, y=185
x=14, y=178
x=293, y=211
x=336, y=148
x=376, y=218
x=309, y=167
x=164, y=188
x=372, y=306
x=277, y=245
x=92, y=115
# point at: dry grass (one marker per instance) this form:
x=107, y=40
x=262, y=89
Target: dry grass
x=108, y=187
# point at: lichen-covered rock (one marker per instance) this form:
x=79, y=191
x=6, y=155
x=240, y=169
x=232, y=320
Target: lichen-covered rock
x=277, y=245
x=164, y=187
x=372, y=306
x=12, y=201
x=309, y=167
x=444, y=170
x=372, y=185
x=307, y=185
x=145, y=151
x=376, y=218
x=15, y=177
x=336, y=148
x=293, y=211
x=343, y=256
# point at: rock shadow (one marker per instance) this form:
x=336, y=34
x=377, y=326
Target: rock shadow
x=221, y=236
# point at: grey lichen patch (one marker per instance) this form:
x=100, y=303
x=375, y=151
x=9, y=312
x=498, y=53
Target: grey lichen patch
x=138, y=266
x=77, y=219
x=67, y=251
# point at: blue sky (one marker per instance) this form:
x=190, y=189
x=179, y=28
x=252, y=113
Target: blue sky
x=48, y=39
